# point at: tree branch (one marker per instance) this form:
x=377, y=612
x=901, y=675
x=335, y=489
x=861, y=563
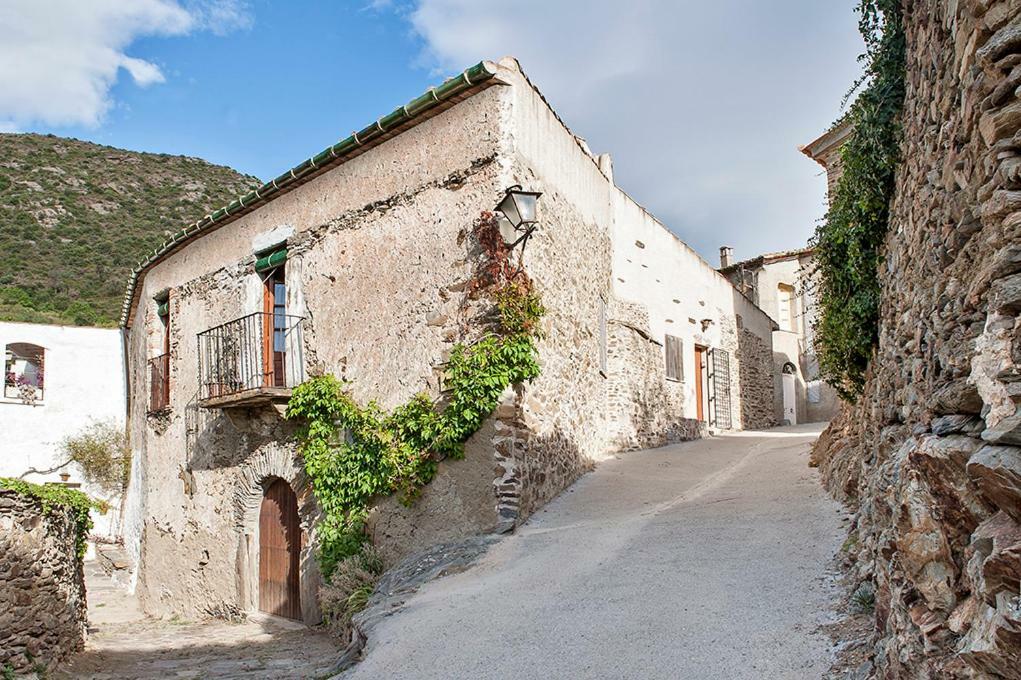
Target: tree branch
x=33, y=471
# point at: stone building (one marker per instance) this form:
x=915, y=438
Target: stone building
x=355, y=263
x=781, y=285
x=825, y=150
x=930, y=455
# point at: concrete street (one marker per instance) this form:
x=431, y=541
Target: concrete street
x=701, y=560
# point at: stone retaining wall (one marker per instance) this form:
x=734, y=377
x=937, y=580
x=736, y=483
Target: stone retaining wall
x=42, y=587
x=930, y=454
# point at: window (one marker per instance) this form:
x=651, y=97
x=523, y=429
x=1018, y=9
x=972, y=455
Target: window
x=159, y=366
x=787, y=301
x=674, y=358
x=23, y=372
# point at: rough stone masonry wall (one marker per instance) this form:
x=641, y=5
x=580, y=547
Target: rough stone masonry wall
x=643, y=409
x=42, y=587
x=755, y=369
x=930, y=454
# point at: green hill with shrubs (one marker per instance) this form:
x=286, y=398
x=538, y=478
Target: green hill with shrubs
x=76, y=216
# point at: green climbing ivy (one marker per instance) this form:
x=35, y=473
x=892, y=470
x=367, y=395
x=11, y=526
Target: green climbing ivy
x=848, y=244
x=54, y=497
x=354, y=453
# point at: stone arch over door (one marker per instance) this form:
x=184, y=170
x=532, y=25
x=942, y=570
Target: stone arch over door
x=254, y=477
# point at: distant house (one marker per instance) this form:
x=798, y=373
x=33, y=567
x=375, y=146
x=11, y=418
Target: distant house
x=57, y=379
x=781, y=285
x=356, y=262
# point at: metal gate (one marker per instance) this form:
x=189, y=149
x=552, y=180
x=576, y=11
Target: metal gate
x=719, y=389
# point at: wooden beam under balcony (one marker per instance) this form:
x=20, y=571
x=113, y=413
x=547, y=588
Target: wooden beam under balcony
x=256, y=396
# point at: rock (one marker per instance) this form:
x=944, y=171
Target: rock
x=995, y=563
x=960, y=619
x=955, y=499
x=958, y=397
x=1006, y=430
x=993, y=645
x=437, y=320
x=924, y=549
x=1005, y=295
x=957, y=423
x=996, y=470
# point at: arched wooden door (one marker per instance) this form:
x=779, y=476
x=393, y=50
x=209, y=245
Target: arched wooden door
x=279, y=551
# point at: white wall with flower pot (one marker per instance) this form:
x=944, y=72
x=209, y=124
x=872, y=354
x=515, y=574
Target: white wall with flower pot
x=82, y=381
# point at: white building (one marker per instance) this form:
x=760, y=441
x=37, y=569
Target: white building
x=782, y=285
x=57, y=379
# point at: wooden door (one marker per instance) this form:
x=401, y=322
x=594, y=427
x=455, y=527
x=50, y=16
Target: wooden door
x=279, y=551
x=700, y=374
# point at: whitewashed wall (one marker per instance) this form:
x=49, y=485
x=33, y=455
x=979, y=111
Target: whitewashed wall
x=83, y=382
x=653, y=267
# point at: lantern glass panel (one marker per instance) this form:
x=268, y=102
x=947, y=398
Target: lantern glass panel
x=510, y=210
x=526, y=206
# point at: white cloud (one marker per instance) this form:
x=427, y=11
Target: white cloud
x=60, y=58
x=702, y=105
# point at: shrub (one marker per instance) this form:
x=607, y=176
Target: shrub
x=848, y=244
x=101, y=451
x=349, y=588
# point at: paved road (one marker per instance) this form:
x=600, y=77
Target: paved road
x=697, y=561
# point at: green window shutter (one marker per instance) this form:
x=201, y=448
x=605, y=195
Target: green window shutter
x=271, y=260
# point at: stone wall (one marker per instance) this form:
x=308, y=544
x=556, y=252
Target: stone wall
x=930, y=454
x=644, y=409
x=755, y=376
x=42, y=587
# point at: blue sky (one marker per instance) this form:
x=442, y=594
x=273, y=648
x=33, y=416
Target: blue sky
x=701, y=107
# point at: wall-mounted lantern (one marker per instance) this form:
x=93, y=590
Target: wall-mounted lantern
x=520, y=210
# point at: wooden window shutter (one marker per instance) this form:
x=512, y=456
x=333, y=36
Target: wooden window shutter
x=674, y=358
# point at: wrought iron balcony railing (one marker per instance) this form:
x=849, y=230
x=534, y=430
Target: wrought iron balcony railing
x=256, y=358
x=159, y=383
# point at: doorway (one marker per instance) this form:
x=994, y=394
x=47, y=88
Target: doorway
x=279, y=551
x=274, y=334
x=701, y=372
x=790, y=400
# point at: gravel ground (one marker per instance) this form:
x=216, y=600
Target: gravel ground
x=703, y=560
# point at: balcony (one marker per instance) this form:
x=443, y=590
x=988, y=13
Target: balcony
x=159, y=383
x=251, y=361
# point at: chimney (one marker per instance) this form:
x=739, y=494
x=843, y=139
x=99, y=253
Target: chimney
x=605, y=165
x=726, y=256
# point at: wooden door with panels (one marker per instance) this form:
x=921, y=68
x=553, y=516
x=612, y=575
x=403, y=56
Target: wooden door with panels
x=279, y=552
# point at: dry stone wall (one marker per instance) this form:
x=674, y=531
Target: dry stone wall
x=930, y=455
x=42, y=587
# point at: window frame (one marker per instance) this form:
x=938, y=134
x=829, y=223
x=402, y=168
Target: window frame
x=30, y=351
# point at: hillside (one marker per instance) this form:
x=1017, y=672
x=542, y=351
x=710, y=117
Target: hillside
x=76, y=216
